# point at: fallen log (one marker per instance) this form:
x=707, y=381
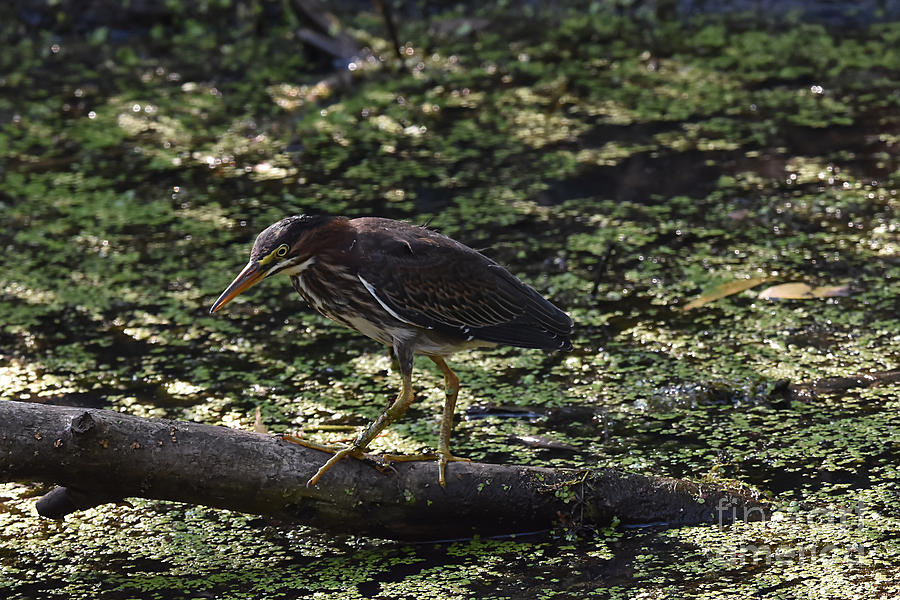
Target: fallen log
x=102, y=456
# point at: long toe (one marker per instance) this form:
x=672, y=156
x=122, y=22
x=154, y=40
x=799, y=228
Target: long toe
x=351, y=451
x=389, y=458
x=287, y=437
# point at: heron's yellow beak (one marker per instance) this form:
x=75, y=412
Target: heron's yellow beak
x=252, y=274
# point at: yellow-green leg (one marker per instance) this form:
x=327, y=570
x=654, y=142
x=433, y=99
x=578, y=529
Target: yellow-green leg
x=392, y=413
x=451, y=389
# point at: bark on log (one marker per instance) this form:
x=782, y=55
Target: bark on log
x=101, y=456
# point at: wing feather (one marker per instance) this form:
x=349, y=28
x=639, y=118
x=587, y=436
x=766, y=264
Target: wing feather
x=430, y=280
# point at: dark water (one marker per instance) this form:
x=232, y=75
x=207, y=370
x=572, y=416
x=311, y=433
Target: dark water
x=620, y=163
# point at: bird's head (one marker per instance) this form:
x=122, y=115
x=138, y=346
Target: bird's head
x=281, y=248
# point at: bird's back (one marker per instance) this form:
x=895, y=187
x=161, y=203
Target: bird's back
x=432, y=281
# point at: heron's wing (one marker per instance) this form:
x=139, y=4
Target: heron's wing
x=432, y=281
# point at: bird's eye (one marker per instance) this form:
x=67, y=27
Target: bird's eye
x=282, y=250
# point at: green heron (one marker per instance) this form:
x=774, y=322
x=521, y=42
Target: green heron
x=408, y=287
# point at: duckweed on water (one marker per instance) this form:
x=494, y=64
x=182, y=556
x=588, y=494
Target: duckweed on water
x=140, y=164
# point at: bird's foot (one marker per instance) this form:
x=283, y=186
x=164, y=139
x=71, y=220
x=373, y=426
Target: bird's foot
x=442, y=459
x=338, y=455
x=338, y=452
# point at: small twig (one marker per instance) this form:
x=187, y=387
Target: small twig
x=601, y=267
x=387, y=14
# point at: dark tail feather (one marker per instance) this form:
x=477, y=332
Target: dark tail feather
x=523, y=335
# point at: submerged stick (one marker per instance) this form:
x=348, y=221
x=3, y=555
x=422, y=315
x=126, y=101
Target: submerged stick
x=101, y=456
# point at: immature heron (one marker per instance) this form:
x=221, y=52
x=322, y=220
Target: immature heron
x=410, y=288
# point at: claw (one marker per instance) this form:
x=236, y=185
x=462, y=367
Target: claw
x=443, y=459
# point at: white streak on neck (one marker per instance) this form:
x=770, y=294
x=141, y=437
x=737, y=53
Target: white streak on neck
x=296, y=269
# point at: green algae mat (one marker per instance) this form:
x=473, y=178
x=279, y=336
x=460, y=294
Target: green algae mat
x=622, y=163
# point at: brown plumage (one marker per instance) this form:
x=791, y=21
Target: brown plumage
x=408, y=287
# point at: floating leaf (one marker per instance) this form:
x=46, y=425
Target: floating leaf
x=724, y=290
x=792, y=291
x=802, y=291
x=831, y=290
